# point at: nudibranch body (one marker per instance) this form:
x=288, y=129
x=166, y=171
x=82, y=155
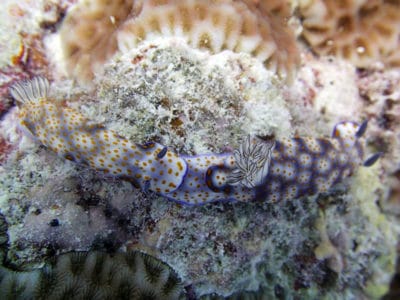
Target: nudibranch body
x=270, y=170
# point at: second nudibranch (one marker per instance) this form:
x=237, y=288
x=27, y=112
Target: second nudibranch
x=266, y=169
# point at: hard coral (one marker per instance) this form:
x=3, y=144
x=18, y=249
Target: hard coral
x=94, y=30
x=94, y=275
x=363, y=31
x=88, y=34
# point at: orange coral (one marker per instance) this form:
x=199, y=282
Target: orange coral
x=94, y=30
x=361, y=31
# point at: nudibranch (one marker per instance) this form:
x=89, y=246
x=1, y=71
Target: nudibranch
x=260, y=169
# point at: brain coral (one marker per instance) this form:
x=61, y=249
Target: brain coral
x=89, y=275
x=94, y=30
x=94, y=275
x=361, y=31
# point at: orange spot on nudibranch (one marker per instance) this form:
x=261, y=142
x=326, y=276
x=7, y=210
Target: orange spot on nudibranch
x=180, y=167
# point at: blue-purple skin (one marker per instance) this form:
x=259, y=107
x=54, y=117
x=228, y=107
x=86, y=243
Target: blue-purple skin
x=298, y=167
x=270, y=170
x=302, y=167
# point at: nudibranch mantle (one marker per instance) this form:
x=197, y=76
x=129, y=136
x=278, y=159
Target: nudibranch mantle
x=267, y=169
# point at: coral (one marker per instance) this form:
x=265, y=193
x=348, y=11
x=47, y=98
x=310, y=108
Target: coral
x=89, y=275
x=287, y=263
x=362, y=32
x=88, y=34
x=243, y=295
x=94, y=30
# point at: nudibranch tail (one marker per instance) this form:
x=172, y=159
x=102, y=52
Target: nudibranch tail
x=269, y=169
x=30, y=90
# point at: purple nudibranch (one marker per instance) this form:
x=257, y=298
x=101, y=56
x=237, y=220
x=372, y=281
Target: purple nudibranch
x=271, y=170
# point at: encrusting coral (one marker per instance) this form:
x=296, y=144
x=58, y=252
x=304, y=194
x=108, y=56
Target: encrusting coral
x=362, y=32
x=94, y=30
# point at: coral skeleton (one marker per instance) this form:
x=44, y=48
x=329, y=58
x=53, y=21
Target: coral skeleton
x=272, y=170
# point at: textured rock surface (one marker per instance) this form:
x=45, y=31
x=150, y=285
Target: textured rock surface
x=189, y=100
x=339, y=244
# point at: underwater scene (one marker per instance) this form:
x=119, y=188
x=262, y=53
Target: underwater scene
x=200, y=149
